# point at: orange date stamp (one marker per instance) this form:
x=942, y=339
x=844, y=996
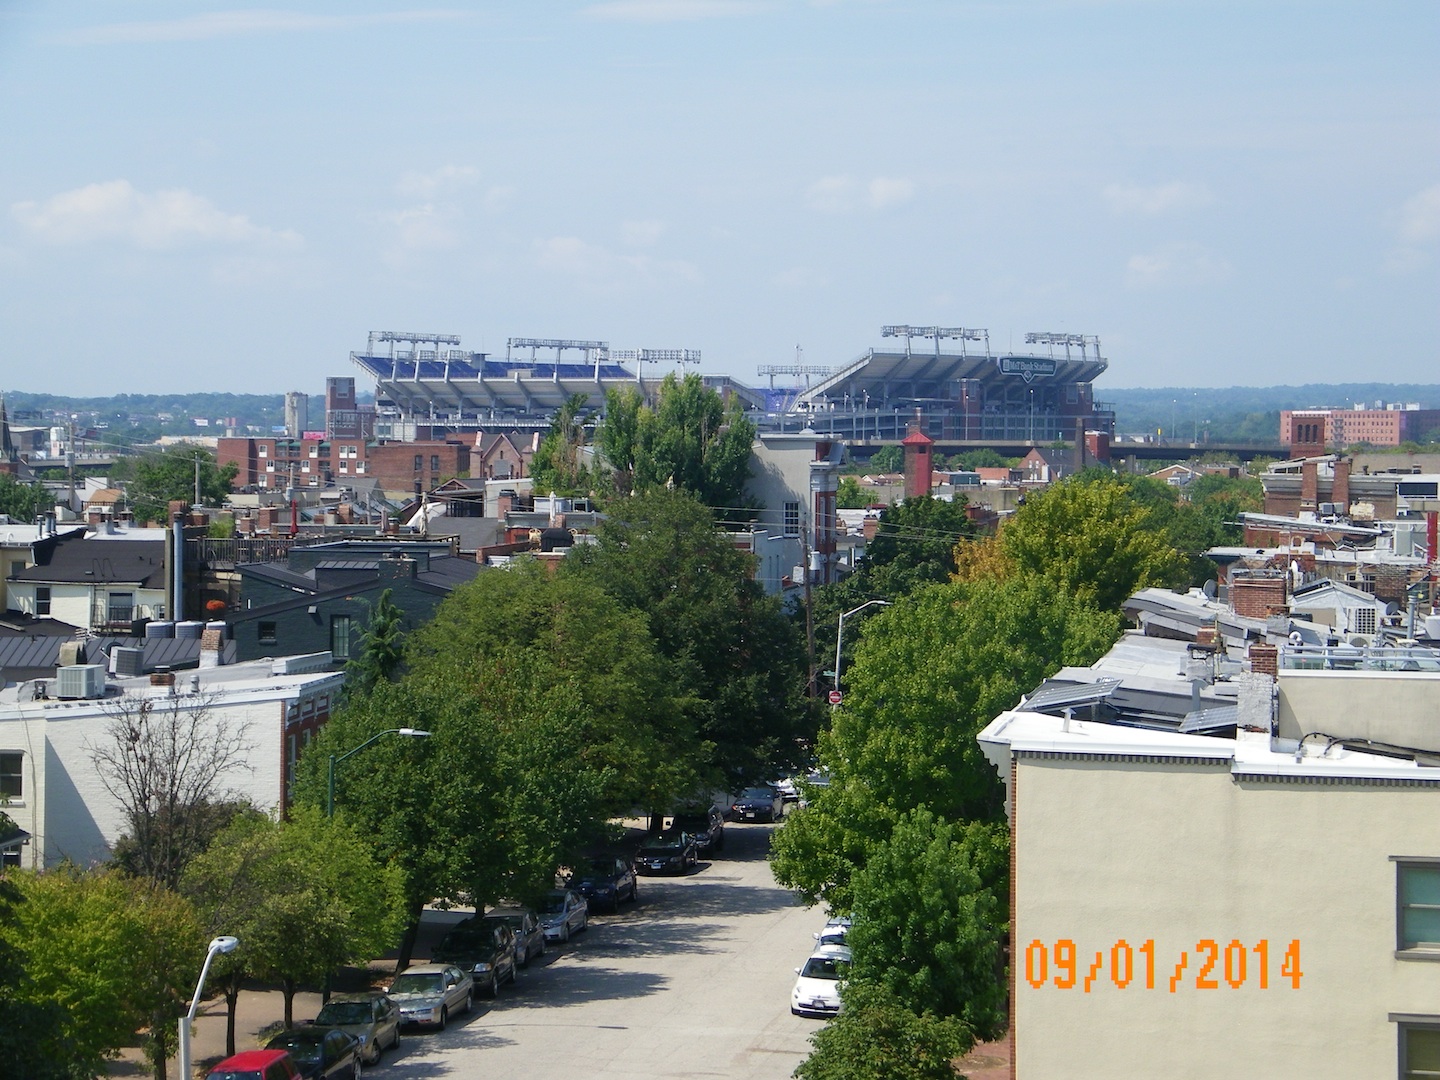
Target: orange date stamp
x=1210, y=967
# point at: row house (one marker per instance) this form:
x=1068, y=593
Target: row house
x=314, y=461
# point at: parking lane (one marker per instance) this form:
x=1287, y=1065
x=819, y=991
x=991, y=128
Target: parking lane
x=692, y=981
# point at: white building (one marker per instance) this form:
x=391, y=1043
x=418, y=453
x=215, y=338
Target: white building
x=1263, y=901
x=54, y=792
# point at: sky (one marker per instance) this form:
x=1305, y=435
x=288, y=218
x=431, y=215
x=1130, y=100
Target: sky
x=200, y=197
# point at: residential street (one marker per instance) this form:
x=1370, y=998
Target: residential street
x=693, y=981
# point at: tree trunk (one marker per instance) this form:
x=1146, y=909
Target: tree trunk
x=232, y=998
x=288, y=987
x=407, y=942
x=157, y=1046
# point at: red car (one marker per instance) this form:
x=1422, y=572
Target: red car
x=256, y=1065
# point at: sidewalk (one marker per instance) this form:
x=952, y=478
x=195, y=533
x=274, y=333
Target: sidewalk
x=259, y=1010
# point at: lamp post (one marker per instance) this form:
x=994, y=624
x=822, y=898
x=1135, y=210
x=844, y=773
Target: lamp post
x=217, y=945
x=840, y=632
x=413, y=733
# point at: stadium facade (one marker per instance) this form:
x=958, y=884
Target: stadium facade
x=426, y=385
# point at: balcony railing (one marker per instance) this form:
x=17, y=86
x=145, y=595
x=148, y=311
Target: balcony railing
x=1358, y=658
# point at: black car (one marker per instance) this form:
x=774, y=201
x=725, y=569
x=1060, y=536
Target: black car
x=483, y=947
x=706, y=826
x=604, y=882
x=670, y=852
x=320, y=1053
x=758, y=804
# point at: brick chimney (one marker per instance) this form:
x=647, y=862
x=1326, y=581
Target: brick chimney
x=1309, y=485
x=918, y=468
x=1340, y=489
x=1264, y=659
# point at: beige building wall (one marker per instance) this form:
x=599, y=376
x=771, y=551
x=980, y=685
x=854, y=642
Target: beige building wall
x=1179, y=853
x=1397, y=707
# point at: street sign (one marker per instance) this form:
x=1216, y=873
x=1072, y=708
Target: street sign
x=835, y=697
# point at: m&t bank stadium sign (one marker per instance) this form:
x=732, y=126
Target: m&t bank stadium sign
x=1028, y=368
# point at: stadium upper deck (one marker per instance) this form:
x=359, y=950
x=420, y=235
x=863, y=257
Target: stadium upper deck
x=964, y=395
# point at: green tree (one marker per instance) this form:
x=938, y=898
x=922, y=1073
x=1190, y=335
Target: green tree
x=928, y=927
x=877, y=1037
x=888, y=459
x=381, y=647
x=850, y=495
x=33, y=1032
x=737, y=661
x=1093, y=535
x=22, y=502
x=689, y=440
x=114, y=953
x=170, y=477
x=929, y=673
x=557, y=464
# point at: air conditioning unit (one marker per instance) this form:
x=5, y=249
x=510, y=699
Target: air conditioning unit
x=80, y=681
x=127, y=661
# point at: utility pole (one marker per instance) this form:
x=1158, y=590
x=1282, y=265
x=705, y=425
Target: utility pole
x=809, y=609
x=197, y=477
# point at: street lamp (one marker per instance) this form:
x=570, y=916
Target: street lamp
x=840, y=632
x=217, y=945
x=413, y=733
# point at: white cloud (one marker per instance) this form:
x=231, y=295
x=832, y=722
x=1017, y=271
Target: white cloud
x=642, y=233
x=1174, y=197
x=1420, y=218
x=115, y=211
x=425, y=228
x=656, y=11
x=887, y=191
x=842, y=194
x=1176, y=265
x=831, y=194
x=225, y=24
x=442, y=181
x=607, y=271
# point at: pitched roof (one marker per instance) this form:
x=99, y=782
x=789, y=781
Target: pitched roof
x=69, y=558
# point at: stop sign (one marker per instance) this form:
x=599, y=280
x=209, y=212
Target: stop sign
x=835, y=697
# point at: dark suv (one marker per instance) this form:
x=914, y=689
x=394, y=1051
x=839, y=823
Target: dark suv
x=706, y=826
x=604, y=881
x=483, y=947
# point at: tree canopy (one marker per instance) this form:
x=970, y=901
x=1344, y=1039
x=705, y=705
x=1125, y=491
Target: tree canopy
x=170, y=476
x=558, y=464
x=736, y=660
x=23, y=502
x=689, y=440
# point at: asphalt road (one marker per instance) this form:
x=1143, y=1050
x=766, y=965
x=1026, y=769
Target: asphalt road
x=693, y=981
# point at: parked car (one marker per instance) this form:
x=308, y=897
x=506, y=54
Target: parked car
x=604, y=882
x=320, y=1053
x=670, y=852
x=484, y=948
x=834, y=931
x=758, y=804
x=432, y=993
x=374, y=1019
x=706, y=826
x=256, y=1065
x=817, y=984
x=525, y=925
x=563, y=912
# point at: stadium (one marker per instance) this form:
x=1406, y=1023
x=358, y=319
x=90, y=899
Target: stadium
x=955, y=391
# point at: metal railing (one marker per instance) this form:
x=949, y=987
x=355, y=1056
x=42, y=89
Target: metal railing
x=1358, y=658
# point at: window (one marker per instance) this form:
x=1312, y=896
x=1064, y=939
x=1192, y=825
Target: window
x=792, y=519
x=1419, y=1046
x=419, y=462
x=12, y=784
x=1417, y=894
x=434, y=462
x=340, y=636
x=42, y=600
x=267, y=633
x=121, y=608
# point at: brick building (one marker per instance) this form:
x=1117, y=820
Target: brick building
x=280, y=462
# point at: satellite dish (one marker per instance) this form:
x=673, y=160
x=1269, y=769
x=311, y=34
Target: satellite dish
x=1359, y=642
x=1209, y=589
x=1296, y=638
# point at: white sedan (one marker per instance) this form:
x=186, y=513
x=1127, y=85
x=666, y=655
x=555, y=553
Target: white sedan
x=817, y=984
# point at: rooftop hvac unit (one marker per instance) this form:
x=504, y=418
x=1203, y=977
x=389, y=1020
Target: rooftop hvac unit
x=128, y=661
x=80, y=681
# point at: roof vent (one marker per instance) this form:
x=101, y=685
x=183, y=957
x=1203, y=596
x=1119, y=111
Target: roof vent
x=127, y=661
